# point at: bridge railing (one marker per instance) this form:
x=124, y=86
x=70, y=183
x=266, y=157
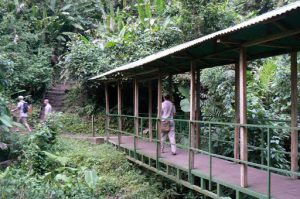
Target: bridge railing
x=268, y=146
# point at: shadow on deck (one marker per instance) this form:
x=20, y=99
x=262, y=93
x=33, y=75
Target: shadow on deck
x=224, y=173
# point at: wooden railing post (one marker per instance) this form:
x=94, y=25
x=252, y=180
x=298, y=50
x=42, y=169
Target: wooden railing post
x=243, y=118
x=159, y=107
x=237, y=113
x=106, y=112
x=294, y=114
x=119, y=113
x=192, y=117
x=150, y=110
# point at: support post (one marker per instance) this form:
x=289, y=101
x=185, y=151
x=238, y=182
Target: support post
x=150, y=110
x=106, y=112
x=197, y=116
x=119, y=113
x=159, y=109
x=294, y=114
x=237, y=113
x=243, y=118
x=136, y=114
x=192, y=117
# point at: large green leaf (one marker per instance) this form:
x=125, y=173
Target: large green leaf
x=91, y=178
x=185, y=105
x=6, y=120
x=61, y=160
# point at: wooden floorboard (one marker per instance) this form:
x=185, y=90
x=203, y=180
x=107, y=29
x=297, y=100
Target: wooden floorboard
x=282, y=187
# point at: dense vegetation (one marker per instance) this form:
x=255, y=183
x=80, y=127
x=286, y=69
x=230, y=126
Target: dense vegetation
x=46, y=42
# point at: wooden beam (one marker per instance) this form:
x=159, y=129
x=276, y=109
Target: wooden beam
x=243, y=117
x=143, y=72
x=192, y=114
x=159, y=109
x=275, y=46
x=272, y=37
x=237, y=113
x=294, y=114
x=255, y=42
x=136, y=109
x=106, y=112
x=119, y=111
x=282, y=27
x=150, y=110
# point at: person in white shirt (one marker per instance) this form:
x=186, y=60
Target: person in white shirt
x=23, y=108
x=47, y=110
x=168, y=112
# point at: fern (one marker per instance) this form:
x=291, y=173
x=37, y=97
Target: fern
x=267, y=73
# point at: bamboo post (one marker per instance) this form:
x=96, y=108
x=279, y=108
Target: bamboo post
x=192, y=117
x=136, y=113
x=106, y=112
x=294, y=114
x=150, y=110
x=243, y=117
x=119, y=113
x=197, y=116
x=159, y=109
x=237, y=113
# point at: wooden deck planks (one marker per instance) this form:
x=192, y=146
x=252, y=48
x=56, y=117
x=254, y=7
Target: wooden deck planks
x=282, y=187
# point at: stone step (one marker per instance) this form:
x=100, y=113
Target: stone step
x=55, y=98
x=56, y=92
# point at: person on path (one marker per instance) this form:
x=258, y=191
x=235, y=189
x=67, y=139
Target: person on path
x=168, y=112
x=46, y=110
x=23, y=108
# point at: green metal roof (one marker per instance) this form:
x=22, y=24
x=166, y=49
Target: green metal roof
x=273, y=33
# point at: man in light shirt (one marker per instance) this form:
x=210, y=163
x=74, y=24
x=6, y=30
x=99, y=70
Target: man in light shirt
x=23, y=108
x=168, y=112
x=47, y=110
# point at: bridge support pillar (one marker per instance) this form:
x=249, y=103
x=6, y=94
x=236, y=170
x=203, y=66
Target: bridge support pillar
x=150, y=110
x=192, y=118
x=106, y=112
x=294, y=114
x=198, y=111
x=119, y=113
x=243, y=117
x=136, y=114
x=237, y=113
x=158, y=134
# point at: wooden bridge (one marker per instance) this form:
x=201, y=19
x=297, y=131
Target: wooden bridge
x=197, y=165
x=213, y=175
x=225, y=174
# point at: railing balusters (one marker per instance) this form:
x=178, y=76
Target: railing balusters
x=262, y=146
x=142, y=128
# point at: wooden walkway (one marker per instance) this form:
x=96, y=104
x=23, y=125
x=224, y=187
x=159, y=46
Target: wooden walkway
x=282, y=187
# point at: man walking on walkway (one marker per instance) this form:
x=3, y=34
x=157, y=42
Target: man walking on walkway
x=168, y=112
x=23, y=108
